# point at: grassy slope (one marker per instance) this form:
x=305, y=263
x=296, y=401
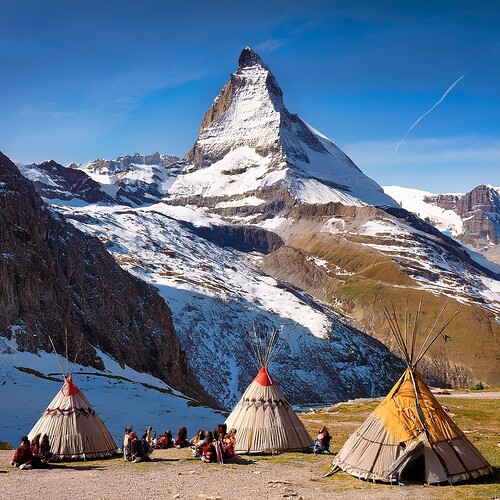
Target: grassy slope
x=358, y=278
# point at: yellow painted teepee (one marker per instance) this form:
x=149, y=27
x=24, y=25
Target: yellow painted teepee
x=410, y=435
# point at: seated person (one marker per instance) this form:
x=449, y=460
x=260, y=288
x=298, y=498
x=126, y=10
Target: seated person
x=147, y=449
x=181, y=440
x=200, y=436
x=44, y=454
x=207, y=450
x=134, y=450
x=126, y=437
x=23, y=456
x=322, y=443
x=228, y=444
x=151, y=437
x=35, y=451
x=219, y=432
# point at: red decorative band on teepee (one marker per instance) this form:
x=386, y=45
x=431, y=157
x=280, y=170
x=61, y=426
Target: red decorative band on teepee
x=263, y=378
x=67, y=412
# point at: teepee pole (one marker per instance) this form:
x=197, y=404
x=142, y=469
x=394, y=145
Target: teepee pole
x=417, y=404
x=439, y=333
x=415, y=329
x=397, y=334
x=423, y=348
x=77, y=353
x=66, y=334
x=285, y=340
x=57, y=357
x=407, y=319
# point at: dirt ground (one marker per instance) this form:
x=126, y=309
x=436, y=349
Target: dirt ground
x=173, y=474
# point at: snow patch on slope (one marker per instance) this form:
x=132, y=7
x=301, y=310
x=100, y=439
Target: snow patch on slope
x=447, y=221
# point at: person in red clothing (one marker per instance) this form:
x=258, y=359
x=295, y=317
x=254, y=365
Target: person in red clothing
x=207, y=449
x=22, y=456
x=228, y=444
x=322, y=444
x=181, y=440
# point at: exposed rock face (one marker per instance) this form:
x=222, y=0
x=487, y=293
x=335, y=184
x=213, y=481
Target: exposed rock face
x=64, y=183
x=242, y=238
x=480, y=212
x=122, y=163
x=53, y=277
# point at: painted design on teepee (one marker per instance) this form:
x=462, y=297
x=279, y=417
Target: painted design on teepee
x=263, y=418
x=410, y=435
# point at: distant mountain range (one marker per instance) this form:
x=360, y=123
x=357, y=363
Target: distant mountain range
x=472, y=218
x=267, y=221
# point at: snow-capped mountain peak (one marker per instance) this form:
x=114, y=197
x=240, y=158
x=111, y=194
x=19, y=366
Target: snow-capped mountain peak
x=248, y=58
x=249, y=142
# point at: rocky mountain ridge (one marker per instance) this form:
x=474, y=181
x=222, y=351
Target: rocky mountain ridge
x=477, y=220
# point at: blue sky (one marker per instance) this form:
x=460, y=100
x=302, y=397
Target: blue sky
x=88, y=79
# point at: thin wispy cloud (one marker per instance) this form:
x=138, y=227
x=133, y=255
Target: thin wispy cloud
x=46, y=108
x=433, y=164
x=441, y=99
x=270, y=45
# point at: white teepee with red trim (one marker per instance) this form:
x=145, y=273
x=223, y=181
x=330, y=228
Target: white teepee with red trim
x=73, y=427
x=263, y=418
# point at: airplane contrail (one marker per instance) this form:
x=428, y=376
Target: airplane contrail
x=443, y=97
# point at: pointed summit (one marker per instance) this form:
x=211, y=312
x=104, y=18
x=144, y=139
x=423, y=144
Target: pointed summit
x=250, y=58
x=250, y=143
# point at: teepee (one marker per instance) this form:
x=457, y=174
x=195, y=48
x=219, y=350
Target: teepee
x=263, y=418
x=72, y=425
x=410, y=435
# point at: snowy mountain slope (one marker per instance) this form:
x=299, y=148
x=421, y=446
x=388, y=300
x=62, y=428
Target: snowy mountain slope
x=215, y=292
x=55, y=181
x=253, y=164
x=472, y=218
x=138, y=178
x=430, y=261
x=413, y=200
x=118, y=394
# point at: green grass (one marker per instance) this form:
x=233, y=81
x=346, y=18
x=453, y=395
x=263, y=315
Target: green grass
x=5, y=446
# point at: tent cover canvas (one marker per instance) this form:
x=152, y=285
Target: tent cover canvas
x=410, y=436
x=264, y=420
x=73, y=428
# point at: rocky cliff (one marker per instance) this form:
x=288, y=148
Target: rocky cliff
x=54, y=279
x=479, y=210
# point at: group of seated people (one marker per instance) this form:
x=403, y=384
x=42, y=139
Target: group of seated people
x=31, y=455
x=216, y=446
x=208, y=446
